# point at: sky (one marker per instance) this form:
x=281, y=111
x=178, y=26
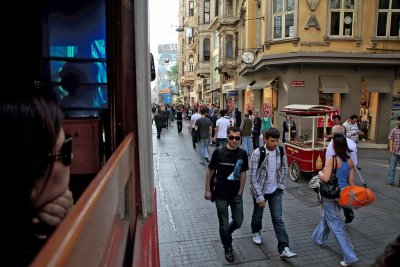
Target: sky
x=163, y=19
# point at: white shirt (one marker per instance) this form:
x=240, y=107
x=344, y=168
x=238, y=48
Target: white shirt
x=351, y=130
x=352, y=146
x=222, y=124
x=194, y=118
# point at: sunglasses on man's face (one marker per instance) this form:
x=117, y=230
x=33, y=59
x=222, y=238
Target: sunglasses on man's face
x=65, y=155
x=231, y=137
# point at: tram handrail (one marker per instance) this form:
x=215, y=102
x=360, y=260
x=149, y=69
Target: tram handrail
x=95, y=232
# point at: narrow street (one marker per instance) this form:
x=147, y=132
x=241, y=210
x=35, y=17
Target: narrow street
x=188, y=224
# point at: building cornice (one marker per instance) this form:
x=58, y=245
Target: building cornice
x=316, y=58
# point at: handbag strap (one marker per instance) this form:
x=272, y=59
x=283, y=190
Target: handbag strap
x=361, y=178
x=334, y=165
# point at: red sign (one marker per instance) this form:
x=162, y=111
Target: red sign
x=330, y=120
x=297, y=83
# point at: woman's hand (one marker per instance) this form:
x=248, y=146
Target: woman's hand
x=53, y=212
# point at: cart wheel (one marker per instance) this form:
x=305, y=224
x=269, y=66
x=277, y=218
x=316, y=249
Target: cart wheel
x=294, y=171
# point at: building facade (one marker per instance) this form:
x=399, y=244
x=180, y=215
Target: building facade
x=267, y=54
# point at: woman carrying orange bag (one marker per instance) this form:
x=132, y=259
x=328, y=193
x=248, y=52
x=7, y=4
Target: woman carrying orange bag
x=330, y=214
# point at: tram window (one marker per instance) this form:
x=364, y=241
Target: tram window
x=152, y=68
x=74, y=53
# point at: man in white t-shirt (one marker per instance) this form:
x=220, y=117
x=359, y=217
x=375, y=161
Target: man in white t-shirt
x=192, y=124
x=221, y=129
x=352, y=130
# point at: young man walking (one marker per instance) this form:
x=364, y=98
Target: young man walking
x=229, y=163
x=394, y=148
x=267, y=184
x=203, y=128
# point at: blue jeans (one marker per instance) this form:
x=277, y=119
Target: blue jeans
x=330, y=221
x=275, y=208
x=225, y=228
x=393, y=161
x=203, y=151
x=246, y=144
x=221, y=141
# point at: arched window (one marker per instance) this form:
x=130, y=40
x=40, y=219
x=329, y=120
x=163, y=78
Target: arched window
x=206, y=49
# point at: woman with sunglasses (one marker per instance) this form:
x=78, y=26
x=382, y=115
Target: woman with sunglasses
x=34, y=164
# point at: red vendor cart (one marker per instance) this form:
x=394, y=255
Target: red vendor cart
x=306, y=153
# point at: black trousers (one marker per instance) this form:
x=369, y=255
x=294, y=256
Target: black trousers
x=179, y=124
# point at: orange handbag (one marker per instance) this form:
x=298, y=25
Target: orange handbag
x=354, y=196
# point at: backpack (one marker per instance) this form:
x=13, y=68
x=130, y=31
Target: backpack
x=262, y=155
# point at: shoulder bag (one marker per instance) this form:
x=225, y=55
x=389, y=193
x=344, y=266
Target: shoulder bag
x=330, y=189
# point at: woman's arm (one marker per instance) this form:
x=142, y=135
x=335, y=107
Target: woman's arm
x=325, y=175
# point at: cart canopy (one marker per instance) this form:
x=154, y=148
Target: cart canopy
x=308, y=110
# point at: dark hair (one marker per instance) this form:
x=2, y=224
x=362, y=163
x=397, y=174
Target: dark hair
x=203, y=111
x=391, y=256
x=222, y=112
x=337, y=116
x=272, y=132
x=234, y=129
x=250, y=112
x=398, y=118
x=340, y=146
x=353, y=117
x=29, y=128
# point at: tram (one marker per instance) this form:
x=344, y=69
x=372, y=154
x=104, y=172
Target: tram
x=93, y=58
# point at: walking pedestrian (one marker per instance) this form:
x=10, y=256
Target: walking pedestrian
x=330, y=213
x=179, y=118
x=229, y=164
x=330, y=152
x=192, y=123
x=245, y=127
x=203, y=127
x=221, y=129
x=256, y=130
x=394, y=148
x=267, y=184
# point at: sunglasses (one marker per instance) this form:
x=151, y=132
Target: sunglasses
x=237, y=138
x=65, y=155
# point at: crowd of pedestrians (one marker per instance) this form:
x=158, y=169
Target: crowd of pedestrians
x=238, y=151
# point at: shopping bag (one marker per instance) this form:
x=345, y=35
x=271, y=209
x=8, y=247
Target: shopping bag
x=354, y=196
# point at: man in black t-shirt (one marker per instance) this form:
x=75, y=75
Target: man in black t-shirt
x=230, y=164
x=179, y=119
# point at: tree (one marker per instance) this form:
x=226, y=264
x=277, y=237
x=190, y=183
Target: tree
x=173, y=75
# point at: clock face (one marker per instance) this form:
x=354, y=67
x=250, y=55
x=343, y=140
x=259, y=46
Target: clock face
x=248, y=57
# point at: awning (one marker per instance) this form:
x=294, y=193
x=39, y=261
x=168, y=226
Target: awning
x=256, y=84
x=377, y=84
x=333, y=84
x=241, y=86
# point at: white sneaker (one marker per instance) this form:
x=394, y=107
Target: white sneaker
x=286, y=253
x=257, y=238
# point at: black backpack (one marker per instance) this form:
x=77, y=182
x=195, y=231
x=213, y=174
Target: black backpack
x=262, y=154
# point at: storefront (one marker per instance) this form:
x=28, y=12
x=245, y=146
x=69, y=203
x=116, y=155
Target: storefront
x=230, y=97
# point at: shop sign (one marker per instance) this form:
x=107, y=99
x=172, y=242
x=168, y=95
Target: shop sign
x=226, y=87
x=297, y=83
x=232, y=93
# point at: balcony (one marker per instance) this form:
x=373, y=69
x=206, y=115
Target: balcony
x=228, y=63
x=202, y=68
